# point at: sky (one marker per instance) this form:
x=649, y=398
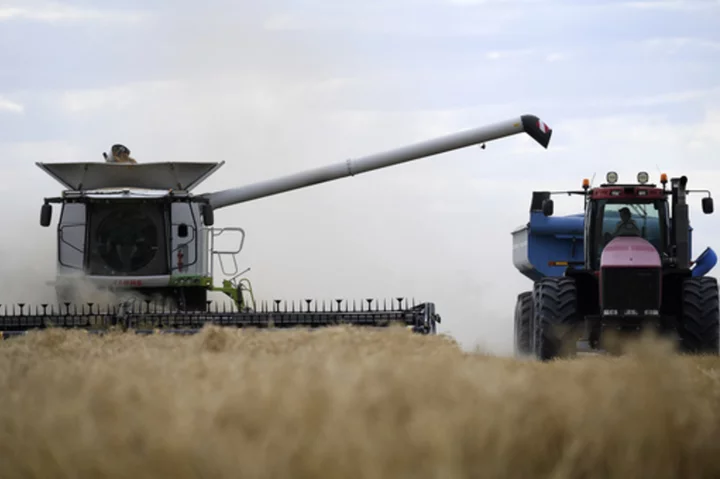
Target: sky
x=275, y=87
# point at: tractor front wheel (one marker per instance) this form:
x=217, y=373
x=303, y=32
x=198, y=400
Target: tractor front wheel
x=555, y=318
x=699, y=327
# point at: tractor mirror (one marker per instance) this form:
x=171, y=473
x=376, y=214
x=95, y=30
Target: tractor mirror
x=46, y=214
x=707, y=205
x=183, y=230
x=208, y=215
x=548, y=207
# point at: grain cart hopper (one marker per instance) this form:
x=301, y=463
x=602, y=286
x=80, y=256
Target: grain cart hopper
x=620, y=266
x=138, y=229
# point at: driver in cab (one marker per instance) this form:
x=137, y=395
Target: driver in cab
x=626, y=226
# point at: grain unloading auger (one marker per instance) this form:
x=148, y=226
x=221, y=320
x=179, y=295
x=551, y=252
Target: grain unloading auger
x=138, y=232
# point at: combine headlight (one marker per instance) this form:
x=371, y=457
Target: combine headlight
x=643, y=177
x=611, y=177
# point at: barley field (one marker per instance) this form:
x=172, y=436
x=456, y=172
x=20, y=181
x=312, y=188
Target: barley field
x=346, y=403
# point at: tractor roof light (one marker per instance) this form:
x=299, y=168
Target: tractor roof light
x=611, y=177
x=586, y=183
x=663, y=178
x=643, y=177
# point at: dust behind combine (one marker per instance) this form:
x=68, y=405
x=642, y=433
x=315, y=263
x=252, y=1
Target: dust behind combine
x=347, y=403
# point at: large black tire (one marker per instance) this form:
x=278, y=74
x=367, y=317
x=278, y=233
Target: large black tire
x=699, y=327
x=555, y=318
x=523, y=323
x=191, y=299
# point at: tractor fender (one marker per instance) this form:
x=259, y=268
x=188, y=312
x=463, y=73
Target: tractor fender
x=705, y=262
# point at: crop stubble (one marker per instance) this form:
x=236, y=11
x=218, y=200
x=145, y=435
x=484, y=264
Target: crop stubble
x=347, y=403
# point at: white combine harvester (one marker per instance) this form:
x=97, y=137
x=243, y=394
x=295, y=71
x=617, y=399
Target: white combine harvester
x=139, y=228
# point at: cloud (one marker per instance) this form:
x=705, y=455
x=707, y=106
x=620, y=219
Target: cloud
x=673, y=5
x=661, y=99
x=10, y=106
x=501, y=55
x=675, y=97
x=646, y=141
x=676, y=44
x=556, y=57
x=435, y=22
x=507, y=3
x=110, y=99
x=57, y=12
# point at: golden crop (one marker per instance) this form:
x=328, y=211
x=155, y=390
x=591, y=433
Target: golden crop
x=346, y=403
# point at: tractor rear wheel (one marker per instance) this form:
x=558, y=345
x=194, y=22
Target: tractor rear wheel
x=699, y=327
x=555, y=318
x=523, y=323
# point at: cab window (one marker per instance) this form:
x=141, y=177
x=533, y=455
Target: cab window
x=632, y=219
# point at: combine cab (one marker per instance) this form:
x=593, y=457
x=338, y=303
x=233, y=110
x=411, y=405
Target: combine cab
x=622, y=265
x=144, y=246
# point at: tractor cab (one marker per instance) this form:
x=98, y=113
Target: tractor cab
x=625, y=210
x=656, y=214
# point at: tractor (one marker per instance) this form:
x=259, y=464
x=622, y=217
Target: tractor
x=615, y=270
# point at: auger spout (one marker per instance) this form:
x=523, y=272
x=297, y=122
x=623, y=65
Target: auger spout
x=529, y=124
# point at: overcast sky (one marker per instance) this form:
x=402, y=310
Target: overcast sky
x=276, y=87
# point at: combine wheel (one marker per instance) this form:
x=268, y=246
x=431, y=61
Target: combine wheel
x=555, y=318
x=523, y=323
x=699, y=327
x=191, y=299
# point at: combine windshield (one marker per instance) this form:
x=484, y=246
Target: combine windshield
x=127, y=239
x=645, y=219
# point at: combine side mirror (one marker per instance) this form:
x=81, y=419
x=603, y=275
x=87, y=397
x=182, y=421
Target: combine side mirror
x=548, y=207
x=707, y=205
x=46, y=214
x=208, y=215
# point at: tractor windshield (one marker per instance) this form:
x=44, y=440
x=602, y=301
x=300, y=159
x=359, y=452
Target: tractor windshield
x=645, y=219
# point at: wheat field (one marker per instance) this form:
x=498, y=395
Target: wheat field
x=346, y=403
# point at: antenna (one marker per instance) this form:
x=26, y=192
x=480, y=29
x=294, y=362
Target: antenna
x=592, y=180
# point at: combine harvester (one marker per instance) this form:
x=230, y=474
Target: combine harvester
x=620, y=266
x=137, y=229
